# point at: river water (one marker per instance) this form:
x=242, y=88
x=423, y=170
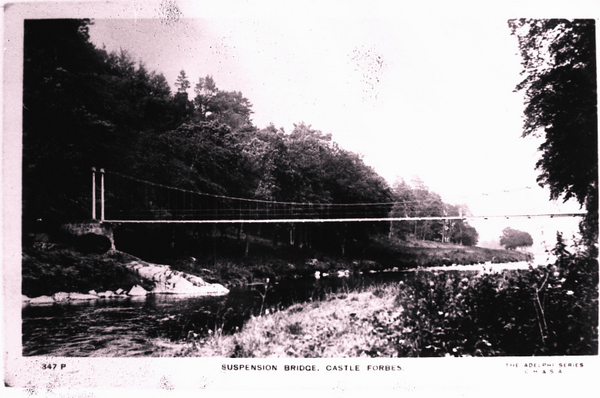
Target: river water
x=132, y=326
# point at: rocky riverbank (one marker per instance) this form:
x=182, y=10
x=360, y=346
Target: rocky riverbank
x=134, y=277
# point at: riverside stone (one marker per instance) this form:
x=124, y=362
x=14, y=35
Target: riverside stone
x=60, y=296
x=137, y=290
x=42, y=300
x=168, y=281
x=106, y=294
x=82, y=296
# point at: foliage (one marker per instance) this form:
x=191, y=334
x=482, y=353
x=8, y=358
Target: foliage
x=82, y=108
x=546, y=311
x=228, y=107
x=513, y=239
x=182, y=82
x=418, y=201
x=86, y=108
x=560, y=86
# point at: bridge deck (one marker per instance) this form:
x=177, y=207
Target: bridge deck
x=320, y=220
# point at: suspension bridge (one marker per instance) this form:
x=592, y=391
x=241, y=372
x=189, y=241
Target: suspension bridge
x=118, y=198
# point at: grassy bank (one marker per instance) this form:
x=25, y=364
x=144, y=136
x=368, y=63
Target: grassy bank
x=544, y=311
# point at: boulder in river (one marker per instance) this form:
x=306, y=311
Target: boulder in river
x=137, y=290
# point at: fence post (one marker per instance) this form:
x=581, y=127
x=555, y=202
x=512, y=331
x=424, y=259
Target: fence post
x=93, y=193
x=101, y=194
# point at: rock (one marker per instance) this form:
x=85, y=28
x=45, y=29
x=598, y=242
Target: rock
x=82, y=296
x=195, y=280
x=213, y=290
x=106, y=294
x=168, y=281
x=182, y=285
x=137, y=291
x=93, y=292
x=60, y=296
x=42, y=300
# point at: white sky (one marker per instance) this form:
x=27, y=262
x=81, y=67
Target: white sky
x=440, y=105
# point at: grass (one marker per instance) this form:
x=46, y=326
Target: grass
x=334, y=327
x=545, y=311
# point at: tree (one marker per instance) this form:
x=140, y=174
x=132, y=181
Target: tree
x=559, y=64
x=513, y=239
x=83, y=108
x=466, y=234
x=458, y=230
x=63, y=125
x=227, y=107
x=404, y=206
x=204, y=157
x=182, y=82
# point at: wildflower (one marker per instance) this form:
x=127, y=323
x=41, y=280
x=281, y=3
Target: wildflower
x=570, y=292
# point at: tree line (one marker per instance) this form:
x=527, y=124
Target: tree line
x=84, y=107
x=416, y=200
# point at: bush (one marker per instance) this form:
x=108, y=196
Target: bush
x=549, y=310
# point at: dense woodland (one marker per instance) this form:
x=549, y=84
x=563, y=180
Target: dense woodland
x=84, y=107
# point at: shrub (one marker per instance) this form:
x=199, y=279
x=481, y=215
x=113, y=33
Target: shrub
x=550, y=310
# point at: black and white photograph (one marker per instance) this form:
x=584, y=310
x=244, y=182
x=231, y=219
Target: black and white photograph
x=299, y=197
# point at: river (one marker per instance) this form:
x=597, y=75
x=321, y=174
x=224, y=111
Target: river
x=131, y=326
